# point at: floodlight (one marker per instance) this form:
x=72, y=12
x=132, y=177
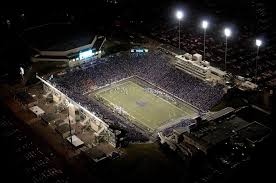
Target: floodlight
x=227, y=32
x=258, y=42
x=179, y=15
x=205, y=24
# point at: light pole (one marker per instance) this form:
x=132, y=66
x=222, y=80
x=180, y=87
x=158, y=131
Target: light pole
x=70, y=128
x=179, y=16
x=204, y=26
x=22, y=73
x=227, y=33
x=258, y=44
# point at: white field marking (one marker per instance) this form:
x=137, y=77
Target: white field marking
x=143, y=120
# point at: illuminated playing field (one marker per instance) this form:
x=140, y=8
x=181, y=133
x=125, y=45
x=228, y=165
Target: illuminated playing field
x=143, y=107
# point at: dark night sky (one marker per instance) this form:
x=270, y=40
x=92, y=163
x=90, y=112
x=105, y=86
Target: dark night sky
x=102, y=14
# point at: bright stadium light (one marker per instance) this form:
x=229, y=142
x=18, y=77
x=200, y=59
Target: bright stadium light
x=179, y=15
x=204, y=26
x=258, y=44
x=227, y=33
x=22, y=72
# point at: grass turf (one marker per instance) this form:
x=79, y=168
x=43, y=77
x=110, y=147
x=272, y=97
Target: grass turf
x=143, y=107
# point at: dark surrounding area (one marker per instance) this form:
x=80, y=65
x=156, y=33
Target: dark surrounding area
x=108, y=17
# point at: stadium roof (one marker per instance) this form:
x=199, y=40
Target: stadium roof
x=49, y=117
x=224, y=130
x=25, y=97
x=75, y=140
x=255, y=132
x=219, y=114
x=214, y=134
x=57, y=37
x=95, y=154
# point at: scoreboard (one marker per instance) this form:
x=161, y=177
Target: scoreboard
x=87, y=54
x=139, y=50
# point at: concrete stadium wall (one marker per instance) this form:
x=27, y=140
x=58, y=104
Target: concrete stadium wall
x=34, y=59
x=95, y=122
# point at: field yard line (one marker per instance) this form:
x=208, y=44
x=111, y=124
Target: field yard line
x=134, y=119
x=172, y=105
x=165, y=91
x=114, y=84
x=110, y=87
x=141, y=118
x=139, y=114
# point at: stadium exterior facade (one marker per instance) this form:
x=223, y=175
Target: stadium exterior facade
x=72, y=56
x=63, y=43
x=194, y=65
x=78, y=112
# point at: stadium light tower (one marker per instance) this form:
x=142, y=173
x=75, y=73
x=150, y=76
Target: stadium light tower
x=70, y=128
x=179, y=15
x=227, y=33
x=22, y=72
x=204, y=26
x=258, y=44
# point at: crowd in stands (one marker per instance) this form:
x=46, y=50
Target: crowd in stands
x=152, y=66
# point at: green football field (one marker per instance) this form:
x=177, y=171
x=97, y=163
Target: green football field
x=143, y=107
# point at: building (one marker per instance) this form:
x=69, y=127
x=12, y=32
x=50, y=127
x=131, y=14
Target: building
x=114, y=137
x=49, y=118
x=78, y=113
x=25, y=99
x=220, y=115
x=255, y=133
x=59, y=122
x=217, y=72
x=207, y=137
x=195, y=66
x=75, y=141
x=95, y=154
x=64, y=130
x=247, y=85
x=192, y=64
x=63, y=43
x=211, y=131
x=37, y=111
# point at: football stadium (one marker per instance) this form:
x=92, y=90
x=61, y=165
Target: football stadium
x=123, y=90
x=140, y=93
x=143, y=104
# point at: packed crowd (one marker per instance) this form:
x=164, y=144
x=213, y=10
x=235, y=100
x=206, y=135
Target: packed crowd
x=152, y=66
